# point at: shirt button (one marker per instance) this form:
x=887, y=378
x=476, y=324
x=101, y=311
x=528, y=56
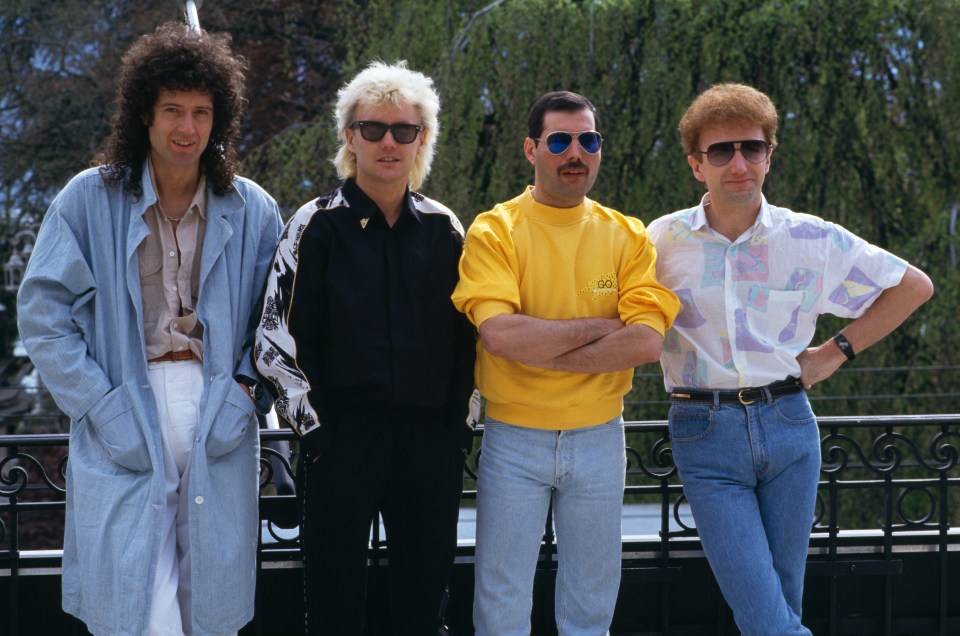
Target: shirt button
x=172, y=254
x=199, y=499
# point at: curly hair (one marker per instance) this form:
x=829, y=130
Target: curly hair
x=393, y=84
x=175, y=58
x=727, y=104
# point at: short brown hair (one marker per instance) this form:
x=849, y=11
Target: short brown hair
x=563, y=101
x=727, y=104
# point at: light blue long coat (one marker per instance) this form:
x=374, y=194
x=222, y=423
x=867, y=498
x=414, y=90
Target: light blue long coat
x=80, y=317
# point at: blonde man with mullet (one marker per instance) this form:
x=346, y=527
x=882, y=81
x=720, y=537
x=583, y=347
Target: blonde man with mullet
x=370, y=363
x=380, y=83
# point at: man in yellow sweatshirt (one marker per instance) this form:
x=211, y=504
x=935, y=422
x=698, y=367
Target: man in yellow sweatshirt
x=565, y=297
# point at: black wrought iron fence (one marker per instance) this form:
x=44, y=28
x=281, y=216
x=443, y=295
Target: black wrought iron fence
x=889, y=491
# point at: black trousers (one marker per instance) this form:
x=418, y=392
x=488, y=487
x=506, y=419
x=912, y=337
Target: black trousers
x=409, y=467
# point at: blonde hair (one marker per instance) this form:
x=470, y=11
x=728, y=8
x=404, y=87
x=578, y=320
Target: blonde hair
x=728, y=104
x=394, y=84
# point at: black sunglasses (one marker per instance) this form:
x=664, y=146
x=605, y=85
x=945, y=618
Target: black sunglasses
x=375, y=131
x=558, y=142
x=720, y=154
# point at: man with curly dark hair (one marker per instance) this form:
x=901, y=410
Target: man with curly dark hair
x=136, y=309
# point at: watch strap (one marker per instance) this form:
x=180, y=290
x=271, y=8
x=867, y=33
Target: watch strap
x=845, y=346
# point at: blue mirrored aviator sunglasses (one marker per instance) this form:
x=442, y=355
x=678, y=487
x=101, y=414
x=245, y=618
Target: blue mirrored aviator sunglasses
x=558, y=142
x=720, y=154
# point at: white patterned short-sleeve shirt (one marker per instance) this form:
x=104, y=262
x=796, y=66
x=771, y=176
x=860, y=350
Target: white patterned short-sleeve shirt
x=750, y=306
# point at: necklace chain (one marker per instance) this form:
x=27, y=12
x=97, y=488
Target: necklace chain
x=173, y=219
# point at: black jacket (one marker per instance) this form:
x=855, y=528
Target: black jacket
x=357, y=315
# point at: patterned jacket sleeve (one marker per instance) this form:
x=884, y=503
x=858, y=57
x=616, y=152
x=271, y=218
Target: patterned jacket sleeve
x=275, y=352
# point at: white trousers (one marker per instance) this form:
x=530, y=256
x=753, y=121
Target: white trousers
x=177, y=387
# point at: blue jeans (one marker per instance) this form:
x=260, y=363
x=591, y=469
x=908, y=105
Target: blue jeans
x=519, y=469
x=750, y=474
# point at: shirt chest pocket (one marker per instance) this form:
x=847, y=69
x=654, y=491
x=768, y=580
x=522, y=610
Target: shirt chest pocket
x=150, y=266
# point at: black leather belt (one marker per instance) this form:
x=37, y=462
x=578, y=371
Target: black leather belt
x=740, y=396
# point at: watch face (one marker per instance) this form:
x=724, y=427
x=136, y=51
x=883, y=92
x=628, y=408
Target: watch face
x=844, y=346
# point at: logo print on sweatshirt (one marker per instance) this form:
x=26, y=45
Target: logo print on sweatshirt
x=602, y=284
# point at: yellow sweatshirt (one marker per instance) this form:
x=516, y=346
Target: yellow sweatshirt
x=558, y=264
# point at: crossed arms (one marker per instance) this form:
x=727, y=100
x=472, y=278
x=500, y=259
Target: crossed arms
x=583, y=345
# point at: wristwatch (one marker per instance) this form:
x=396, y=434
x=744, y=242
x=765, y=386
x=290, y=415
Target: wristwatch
x=254, y=387
x=845, y=346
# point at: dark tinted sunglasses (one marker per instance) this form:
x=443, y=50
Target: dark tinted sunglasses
x=720, y=154
x=558, y=142
x=375, y=131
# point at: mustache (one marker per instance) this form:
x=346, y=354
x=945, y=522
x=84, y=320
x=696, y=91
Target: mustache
x=578, y=165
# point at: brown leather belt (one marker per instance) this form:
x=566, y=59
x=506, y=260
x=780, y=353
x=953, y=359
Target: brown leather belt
x=176, y=356
x=743, y=396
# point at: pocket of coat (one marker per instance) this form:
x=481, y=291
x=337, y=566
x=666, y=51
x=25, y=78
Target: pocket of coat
x=230, y=426
x=119, y=431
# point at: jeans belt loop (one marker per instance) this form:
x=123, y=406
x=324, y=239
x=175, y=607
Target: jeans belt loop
x=716, y=399
x=769, y=394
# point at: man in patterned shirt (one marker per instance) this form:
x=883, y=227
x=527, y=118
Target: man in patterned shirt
x=753, y=278
x=370, y=363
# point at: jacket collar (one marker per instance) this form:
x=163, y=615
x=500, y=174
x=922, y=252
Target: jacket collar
x=219, y=229
x=231, y=203
x=364, y=206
